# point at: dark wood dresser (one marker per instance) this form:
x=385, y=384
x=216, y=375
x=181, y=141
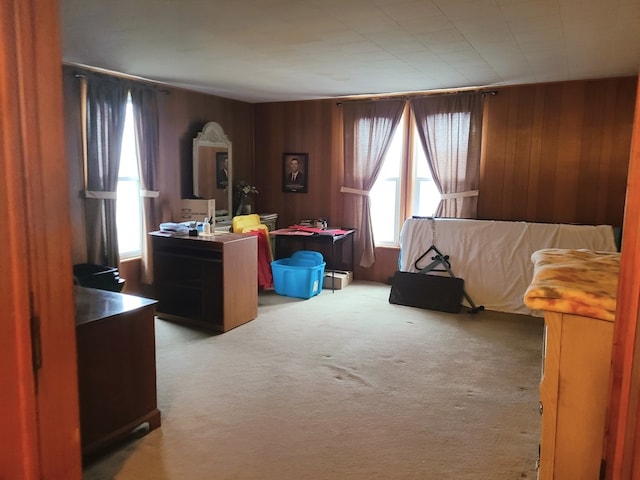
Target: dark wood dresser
x=115, y=338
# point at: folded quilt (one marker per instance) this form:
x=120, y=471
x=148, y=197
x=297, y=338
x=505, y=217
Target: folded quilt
x=580, y=282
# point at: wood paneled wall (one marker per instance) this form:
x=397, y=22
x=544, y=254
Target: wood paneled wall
x=557, y=152
x=312, y=127
x=183, y=113
x=551, y=153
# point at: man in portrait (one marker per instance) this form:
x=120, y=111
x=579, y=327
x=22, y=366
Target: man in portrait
x=222, y=178
x=295, y=176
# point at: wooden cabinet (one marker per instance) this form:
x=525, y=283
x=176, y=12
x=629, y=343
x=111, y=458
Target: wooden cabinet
x=115, y=338
x=207, y=281
x=573, y=395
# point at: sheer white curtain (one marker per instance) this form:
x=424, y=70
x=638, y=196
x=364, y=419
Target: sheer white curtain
x=368, y=129
x=105, y=114
x=450, y=129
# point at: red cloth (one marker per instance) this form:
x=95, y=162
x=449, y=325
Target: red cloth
x=265, y=277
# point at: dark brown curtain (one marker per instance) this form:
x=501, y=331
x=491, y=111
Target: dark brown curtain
x=105, y=115
x=145, y=114
x=450, y=129
x=368, y=129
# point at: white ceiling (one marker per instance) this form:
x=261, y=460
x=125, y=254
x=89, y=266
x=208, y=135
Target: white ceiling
x=280, y=50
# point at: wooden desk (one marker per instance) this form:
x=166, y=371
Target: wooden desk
x=207, y=281
x=288, y=242
x=115, y=338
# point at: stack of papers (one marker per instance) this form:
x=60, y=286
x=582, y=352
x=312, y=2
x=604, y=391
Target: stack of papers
x=174, y=229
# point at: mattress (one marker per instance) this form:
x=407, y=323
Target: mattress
x=494, y=257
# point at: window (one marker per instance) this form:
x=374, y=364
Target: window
x=425, y=193
x=128, y=204
x=385, y=197
x=394, y=189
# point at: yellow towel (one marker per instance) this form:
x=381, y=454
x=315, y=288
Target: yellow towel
x=580, y=282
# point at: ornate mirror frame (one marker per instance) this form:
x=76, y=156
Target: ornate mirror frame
x=210, y=149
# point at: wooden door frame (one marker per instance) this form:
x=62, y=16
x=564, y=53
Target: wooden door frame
x=623, y=451
x=40, y=430
x=39, y=433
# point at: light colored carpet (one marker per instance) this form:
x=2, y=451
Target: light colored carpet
x=343, y=386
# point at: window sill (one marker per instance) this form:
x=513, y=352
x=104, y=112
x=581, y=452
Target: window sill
x=132, y=258
x=388, y=246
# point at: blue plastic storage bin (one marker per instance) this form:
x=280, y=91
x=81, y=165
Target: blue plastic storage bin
x=299, y=276
x=307, y=258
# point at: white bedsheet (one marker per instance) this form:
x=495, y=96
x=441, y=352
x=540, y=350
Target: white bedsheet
x=494, y=257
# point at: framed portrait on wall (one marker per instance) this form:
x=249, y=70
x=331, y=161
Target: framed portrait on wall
x=222, y=170
x=295, y=172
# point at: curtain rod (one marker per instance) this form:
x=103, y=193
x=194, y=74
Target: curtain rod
x=418, y=95
x=152, y=83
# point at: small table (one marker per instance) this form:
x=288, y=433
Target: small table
x=289, y=240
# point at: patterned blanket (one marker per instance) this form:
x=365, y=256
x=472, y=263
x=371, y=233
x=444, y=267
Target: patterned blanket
x=580, y=282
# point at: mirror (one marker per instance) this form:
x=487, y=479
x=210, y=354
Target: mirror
x=212, y=169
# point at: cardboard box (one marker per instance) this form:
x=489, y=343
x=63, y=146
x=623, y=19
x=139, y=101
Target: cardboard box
x=196, y=210
x=341, y=279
